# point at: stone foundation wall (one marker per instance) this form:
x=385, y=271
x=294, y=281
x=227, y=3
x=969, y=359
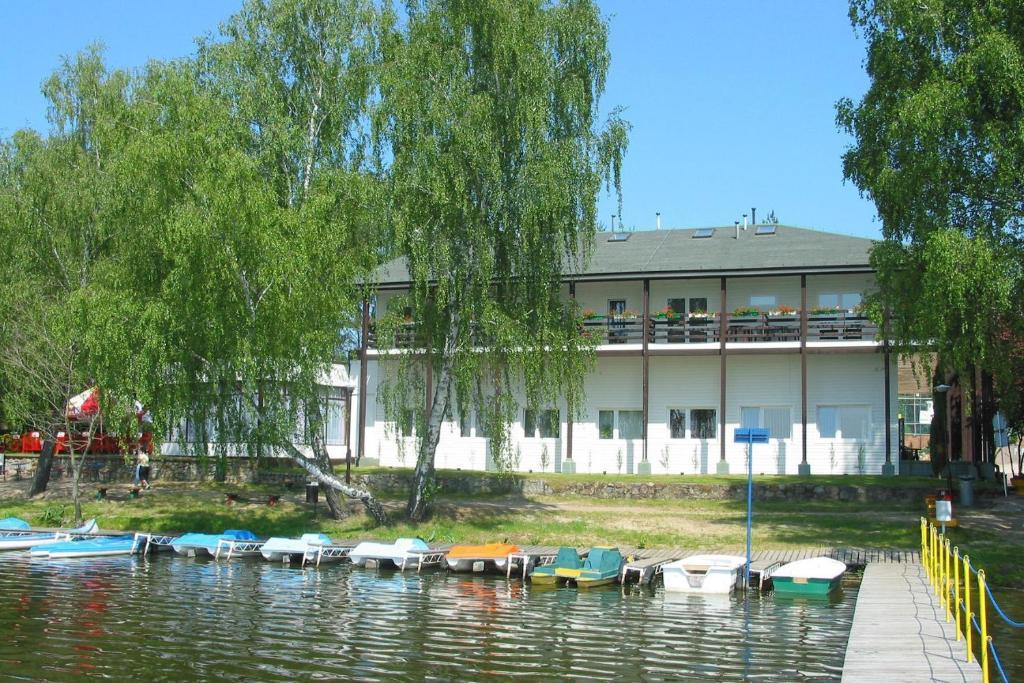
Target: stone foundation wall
x=398, y=483
x=114, y=469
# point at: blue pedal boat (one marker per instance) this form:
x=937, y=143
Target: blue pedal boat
x=199, y=545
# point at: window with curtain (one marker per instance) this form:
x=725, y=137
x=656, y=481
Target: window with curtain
x=631, y=424
x=530, y=423
x=550, y=424
x=406, y=422
x=844, y=422
x=334, y=419
x=827, y=424
x=763, y=300
x=677, y=423
x=703, y=423
x=776, y=419
x=853, y=422
x=606, y=424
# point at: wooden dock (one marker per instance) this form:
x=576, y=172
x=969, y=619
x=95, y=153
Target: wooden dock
x=900, y=632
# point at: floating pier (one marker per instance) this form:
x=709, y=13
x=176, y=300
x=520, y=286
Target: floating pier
x=900, y=632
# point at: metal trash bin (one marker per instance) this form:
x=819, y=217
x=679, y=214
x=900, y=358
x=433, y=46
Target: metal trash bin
x=313, y=492
x=967, y=491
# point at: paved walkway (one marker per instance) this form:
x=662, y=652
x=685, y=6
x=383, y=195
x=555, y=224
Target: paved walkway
x=900, y=632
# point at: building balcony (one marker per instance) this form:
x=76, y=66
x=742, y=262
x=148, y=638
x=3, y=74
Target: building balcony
x=610, y=333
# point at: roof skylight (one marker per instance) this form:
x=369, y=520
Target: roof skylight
x=703, y=232
x=765, y=230
x=619, y=236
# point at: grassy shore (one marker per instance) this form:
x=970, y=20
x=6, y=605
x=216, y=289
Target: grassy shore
x=548, y=520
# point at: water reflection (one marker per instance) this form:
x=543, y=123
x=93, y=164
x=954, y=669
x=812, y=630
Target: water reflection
x=176, y=618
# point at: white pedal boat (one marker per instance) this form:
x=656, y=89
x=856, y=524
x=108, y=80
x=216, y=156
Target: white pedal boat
x=704, y=574
x=278, y=549
x=401, y=552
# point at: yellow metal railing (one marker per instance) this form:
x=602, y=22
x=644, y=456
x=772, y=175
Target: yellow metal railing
x=942, y=563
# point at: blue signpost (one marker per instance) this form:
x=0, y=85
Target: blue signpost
x=750, y=436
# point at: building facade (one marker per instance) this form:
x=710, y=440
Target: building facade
x=700, y=331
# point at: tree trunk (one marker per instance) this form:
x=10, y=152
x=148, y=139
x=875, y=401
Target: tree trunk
x=423, y=477
x=373, y=506
x=76, y=476
x=43, y=468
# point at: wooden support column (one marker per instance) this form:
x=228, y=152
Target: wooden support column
x=887, y=469
x=348, y=437
x=723, y=326
x=363, y=362
x=568, y=466
x=804, y=467
x=645, y=466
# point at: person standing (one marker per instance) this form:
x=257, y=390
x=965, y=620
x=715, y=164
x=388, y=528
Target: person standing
x=143, y=465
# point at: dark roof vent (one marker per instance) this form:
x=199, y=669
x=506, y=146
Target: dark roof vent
x=619, y=236
x=703, y=232
x=765, y=230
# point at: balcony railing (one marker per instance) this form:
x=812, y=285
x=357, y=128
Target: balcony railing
x=613, y=330
x=761, y=328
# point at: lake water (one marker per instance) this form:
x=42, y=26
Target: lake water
x=174, y=618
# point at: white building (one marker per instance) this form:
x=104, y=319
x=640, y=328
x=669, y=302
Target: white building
x=669, y=390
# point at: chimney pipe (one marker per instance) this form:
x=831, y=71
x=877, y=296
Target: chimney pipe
x=613, y=222
x=737, y=224
x=657, y=220
x=744, y=222
x=753, y=215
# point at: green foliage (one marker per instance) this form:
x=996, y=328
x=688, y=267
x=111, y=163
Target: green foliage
x=52, y=516
x=489, y=111
x=938, y=148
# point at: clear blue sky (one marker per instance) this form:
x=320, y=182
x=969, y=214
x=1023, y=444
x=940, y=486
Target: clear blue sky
x=731, y=102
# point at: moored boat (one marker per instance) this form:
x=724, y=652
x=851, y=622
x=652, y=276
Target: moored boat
x=814, y=576
x=103, y=546
x=478, y=558
x=13, y=524
x=547, y=574
x=601, y=567
x=278, y=549
x=703, y=574
x=22, y=540
x=401, y=552
x=198, y=545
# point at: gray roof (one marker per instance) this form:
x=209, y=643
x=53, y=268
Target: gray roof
x=677, y=253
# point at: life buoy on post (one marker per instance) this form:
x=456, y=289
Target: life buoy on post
x=944, y=508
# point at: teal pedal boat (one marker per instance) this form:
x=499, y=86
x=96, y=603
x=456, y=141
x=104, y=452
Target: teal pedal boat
x=547, y=575
x=601, y=567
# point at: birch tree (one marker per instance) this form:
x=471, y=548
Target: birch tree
x=54, y=236
x=250, y=215
x=494, y=159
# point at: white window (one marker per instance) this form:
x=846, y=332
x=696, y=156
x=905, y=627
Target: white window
x=543, y=424
x=629, y=424
x=763, y=300
x=703, y=423
x=677, y=423
x=776, y=419
x=334, y=422
x=844, y=422
x=847, y=300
